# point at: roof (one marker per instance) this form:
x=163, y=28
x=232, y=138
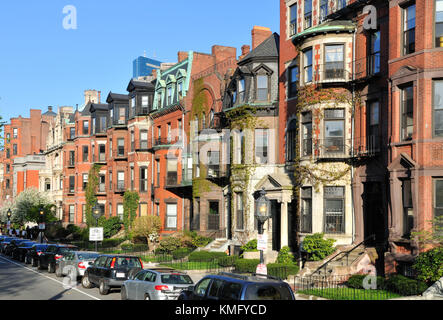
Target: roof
x=327, y=27
x=135, y=84
x=268, y=48
x=49, y=113
x=116, y=96
x=97, y=107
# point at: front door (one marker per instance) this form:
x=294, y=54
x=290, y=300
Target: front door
x=276, y=225
x=373, y=213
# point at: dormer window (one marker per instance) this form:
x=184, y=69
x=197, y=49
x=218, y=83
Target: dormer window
x=133, y=105
x=262, y=88
x=159, y=100
x=180, y=90
x=241, y=90
x=145, y=104
x=169, y=96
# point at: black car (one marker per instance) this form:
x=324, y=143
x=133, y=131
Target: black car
x=19, y=252
x=33, y=254
x=227, y=286
x=14, y=243
x=111, y=271
x=53, y=252
x=5, y=242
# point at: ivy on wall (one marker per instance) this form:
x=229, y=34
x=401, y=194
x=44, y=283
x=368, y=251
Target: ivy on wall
x=131, y=201
x=90, y=193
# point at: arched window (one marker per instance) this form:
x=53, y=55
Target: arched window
x=211, y=117
x=291, y=140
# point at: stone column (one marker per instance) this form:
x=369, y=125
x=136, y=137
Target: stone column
x=284, y=236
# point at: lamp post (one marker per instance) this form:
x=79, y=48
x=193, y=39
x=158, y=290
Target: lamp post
x=262, y=214
x=42, y=215
x=9, y=219
x=96, y=213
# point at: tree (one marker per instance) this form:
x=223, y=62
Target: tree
x=27, y=206
x=147, y=227
x=35, y=216
x=90, y=193
x=131, y=201
x=430, y=237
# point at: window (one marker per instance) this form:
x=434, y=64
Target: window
x=171, y=216
x=14, y=149
x=180, y=128
x=47, y=185
x=408, y=208
x=213, y=217
x=261, y=146
x=85, y=154
x=157, y=165
x=438, y=108
x=407, y=112
x=169, y=96
x=71, y=184
x=203, y=120
x=159, y=132
x=293, y=81
x=8, y=153
x=215, y=287
x=8, y=168
x=334, y=209
x=306, y=210
x=323, y=10
x=85, y=181
x=291, y=142
x=168, y=133
x=334, y=62
x=132, y=178
x=438, y=206
x=308, y=14
x=110, y=148
x=180, y=90
x=213, y=163
x=374, y=53
x=159, y=100
x=308, y=65
x=439, y=23
x=122, y=115
x=110, y=210
x=231, y=291
x=145, y=104
x=132, y=141
x=144, y=139
x=306, y=134
x=134, y=105
x=8, y=184
x=120, y=211
x=262, y=88
x=71, y=213
x=8, y=137
x=121, y=181
x=409, y=29
x=172, y=178
x=293, y=20
x=121, y=147
x=240, y=148
x=334, y=131
x=373, y=118
x=83, y=213
x=240, y=206
x=202, y=287
x=101, y=152
x=143, y=179
x=71, y=158
x=110, y=180
x=14, y=133
x=85, y=127
x=102, y=183
x=241, y=90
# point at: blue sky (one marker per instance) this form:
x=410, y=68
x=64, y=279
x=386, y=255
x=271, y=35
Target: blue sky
x=42, y=64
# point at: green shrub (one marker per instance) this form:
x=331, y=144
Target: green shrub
x=282, y=270
x=200, y=241
x=246, y=265
x=180, y=253
x=169, y=244
x=405, y=286
x=227, y=261
x=317, y=247
x=110, y=226
x=110, y=243
x=206, y=256
x=251, y=246
x=285, y=256
x=356, y=282
x=127, y=247
x=429, y=265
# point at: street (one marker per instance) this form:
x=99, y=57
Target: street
x=22, y=282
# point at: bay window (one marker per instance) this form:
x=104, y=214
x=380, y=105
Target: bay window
x=438, y=108
x=409, y=29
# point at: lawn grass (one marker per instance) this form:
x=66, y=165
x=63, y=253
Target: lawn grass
x=350, y=294
x=203, y=265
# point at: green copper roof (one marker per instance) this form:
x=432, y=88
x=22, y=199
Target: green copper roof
x=327, y=27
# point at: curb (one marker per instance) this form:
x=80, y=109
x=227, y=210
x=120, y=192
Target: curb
x=307, y=297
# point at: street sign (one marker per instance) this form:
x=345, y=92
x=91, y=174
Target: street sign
x=41, y=226
x=261, y=269
x=262, y=242
x=96, y=234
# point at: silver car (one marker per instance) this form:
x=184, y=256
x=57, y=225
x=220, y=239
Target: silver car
x=75, y=263
x=156, y=284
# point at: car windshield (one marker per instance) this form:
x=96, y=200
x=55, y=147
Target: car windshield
x=268, y=292
x=176, y=279
x=122, y=262
x=87, y=256
x=64, y=250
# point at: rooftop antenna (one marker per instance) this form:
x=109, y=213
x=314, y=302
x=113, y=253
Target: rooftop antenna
x=144, y=54
x=155, y=55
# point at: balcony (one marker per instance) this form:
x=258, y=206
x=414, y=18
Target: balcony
x=217, y=172
x=331, y=72
x=164, y=142
x=172, y=181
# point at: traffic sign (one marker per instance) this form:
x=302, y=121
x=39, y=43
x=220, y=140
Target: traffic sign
x=262, y=242
x=41, y=226
x=96, y=234
x=262, y=269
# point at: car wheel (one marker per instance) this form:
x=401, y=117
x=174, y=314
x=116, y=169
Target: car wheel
x=147, y=297
x=51, y=268
x=58, y=271
x=85, y=282
x=103, y=289
x=39, y=265
x=123, y=293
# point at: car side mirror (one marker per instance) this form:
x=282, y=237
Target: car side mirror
x=191, y=288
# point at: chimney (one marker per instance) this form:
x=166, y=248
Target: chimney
x=182, y=55
x=245, y=50
x=154, y=73
x=99, y=97
x=259, y=34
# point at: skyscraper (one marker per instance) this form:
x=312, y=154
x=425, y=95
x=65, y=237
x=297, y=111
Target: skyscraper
x=143, y=66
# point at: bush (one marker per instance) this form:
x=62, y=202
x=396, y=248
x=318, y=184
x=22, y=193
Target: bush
x=405, y=286
x=110, y=226
x=180, y=253
x=206, y=256
x=169, y=244
x=134, y=247
x=285, y=256
x=127, y=247
x=110, y=243
x=356, y=282
x=282, y=270
x=429, y=265
x=246, y=265
x=227, y=261
x=200, y=241
x=251, y=246
x=317, y=247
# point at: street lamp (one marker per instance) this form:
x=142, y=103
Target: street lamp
x=42, y=216
x=262, y=214
x=96, y=213
x=9, y=219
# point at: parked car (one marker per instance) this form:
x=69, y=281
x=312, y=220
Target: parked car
x=111, y=271
x=53, y=253
x=227, y=286
x=33, y=254
x=20, y=251
x=156, y=284
x=4, y=242
x=75, y=263
x=6, y=245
